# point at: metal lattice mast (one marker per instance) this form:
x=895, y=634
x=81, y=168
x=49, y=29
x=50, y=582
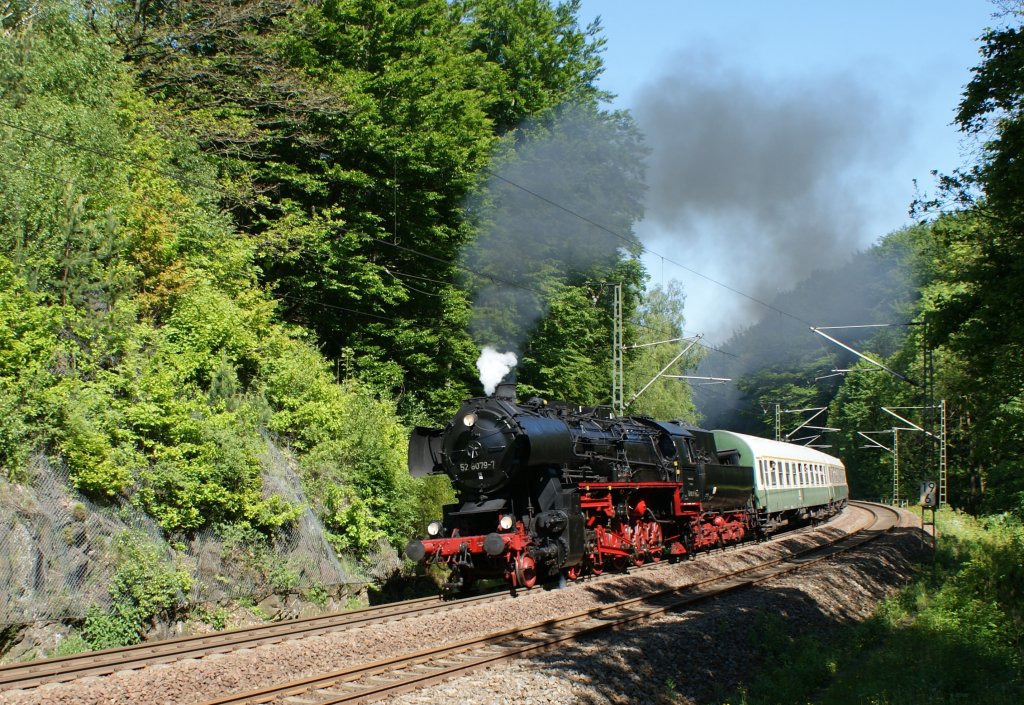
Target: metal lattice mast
x=942, y=452
x=896, y=467
x=617, y=350
x=932, y=414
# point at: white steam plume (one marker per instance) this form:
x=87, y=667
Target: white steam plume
x=493, y=366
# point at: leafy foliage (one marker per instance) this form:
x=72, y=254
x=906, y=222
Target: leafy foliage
x=144, y=586
x=355, y=464
x=659, y=318
x=971, y=300
x=965, y=606
x=544, y=58
x=137, y=345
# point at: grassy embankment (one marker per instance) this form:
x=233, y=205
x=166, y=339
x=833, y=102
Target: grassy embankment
x=955, y=635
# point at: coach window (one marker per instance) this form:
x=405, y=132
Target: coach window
x=774, y=478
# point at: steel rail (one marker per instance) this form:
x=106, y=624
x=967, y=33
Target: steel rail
x=95, y=663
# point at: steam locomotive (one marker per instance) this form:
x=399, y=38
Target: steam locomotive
x=550, y=489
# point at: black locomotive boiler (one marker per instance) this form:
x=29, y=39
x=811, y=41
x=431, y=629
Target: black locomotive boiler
x=546, y=488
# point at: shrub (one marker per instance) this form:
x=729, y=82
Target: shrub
x=145, y=585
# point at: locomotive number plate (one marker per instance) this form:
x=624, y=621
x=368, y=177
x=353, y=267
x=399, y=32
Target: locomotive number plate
x=477, y=466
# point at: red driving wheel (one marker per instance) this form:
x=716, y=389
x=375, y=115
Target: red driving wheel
x=526, y=571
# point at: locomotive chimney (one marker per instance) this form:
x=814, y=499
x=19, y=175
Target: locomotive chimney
x=506, y=390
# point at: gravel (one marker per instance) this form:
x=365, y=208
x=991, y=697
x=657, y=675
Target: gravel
x=682, y=657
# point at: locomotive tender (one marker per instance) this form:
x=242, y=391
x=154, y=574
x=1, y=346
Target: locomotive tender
x=548, y=489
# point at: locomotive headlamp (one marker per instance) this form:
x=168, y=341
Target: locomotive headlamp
x=505, y=522
x=469, y=419
x=434, y=528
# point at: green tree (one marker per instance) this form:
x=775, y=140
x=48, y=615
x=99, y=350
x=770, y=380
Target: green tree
x=971, y=306
x=136, y=346
x=659, y=327
x=545, y=59
x=857, y=407
x=358, y=125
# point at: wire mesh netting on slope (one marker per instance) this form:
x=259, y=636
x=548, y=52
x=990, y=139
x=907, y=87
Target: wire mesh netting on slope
x=55, y=548
x=58, y=550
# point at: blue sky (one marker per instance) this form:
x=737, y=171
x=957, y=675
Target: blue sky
x=786, y=134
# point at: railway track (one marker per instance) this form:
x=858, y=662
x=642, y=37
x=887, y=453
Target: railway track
x=97, y=663
x=393, y=676
x=64, y=669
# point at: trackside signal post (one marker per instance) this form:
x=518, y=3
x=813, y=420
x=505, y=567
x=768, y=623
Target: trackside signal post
x=929, y=500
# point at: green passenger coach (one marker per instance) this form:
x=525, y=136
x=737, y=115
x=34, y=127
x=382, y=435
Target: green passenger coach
x=791, y=482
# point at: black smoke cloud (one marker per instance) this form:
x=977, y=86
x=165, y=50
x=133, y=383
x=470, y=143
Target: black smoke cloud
x=558, y=207
x=756, y=181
